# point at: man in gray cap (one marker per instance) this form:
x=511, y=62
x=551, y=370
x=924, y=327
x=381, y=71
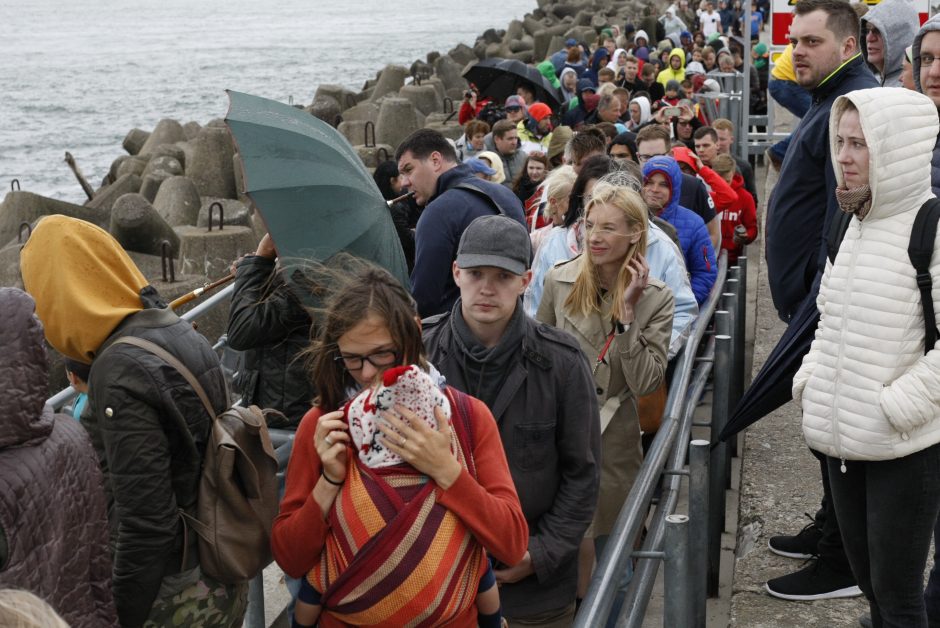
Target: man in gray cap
x=538, y=385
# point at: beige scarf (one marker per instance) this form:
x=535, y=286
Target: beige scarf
x=855, y=201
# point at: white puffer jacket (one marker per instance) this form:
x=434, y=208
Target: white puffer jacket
x=866, y=388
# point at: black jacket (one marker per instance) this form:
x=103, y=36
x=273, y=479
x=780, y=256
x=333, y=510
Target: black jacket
x=150, y=430
x=270, y=325
x=442, y=222
x=548, y=420
x=803, y=202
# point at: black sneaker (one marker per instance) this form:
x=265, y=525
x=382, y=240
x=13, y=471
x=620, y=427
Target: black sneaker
x=801, y=545
x=865, y=621
x=816, y=581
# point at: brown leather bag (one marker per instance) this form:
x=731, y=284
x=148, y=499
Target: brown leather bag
x=650, y=408
x=238, y=496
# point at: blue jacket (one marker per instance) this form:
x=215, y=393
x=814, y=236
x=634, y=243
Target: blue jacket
x=804, y=201
x=598, y=60
x=694, y=241
x=438, y=232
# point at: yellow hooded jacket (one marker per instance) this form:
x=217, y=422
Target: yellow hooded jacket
x=83, y=282
x=669, y=74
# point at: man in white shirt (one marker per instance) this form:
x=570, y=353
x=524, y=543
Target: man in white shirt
x=711, y=21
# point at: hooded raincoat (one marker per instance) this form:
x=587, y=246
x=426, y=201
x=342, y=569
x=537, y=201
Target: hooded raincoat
x=668, y=74
x=897, y=21
x=693, y=234
x=53, y=513
x=645, y=114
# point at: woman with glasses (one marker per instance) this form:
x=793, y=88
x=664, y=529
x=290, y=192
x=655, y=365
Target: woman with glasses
x=404, y=543
x=622, y=318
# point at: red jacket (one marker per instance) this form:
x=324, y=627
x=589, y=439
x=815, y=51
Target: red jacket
x=468, y=113
x=743, y=212
x=488, y=504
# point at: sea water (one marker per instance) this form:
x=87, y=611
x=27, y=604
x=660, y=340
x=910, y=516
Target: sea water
x=77, y=75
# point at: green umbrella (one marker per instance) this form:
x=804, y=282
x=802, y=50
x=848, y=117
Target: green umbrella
x=312, y=190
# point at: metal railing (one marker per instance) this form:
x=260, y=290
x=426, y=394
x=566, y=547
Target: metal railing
x=690, y=576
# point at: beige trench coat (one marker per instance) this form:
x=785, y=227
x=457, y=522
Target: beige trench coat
x=635, y=365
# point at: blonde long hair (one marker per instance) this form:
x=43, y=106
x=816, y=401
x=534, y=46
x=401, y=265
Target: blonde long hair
x=585, y=298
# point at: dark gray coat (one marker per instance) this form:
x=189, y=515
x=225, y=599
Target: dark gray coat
x=270, y=325
x=53, y=515
x=548, y=420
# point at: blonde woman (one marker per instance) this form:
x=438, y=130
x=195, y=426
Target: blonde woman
x=622, y=318
x=557, y=188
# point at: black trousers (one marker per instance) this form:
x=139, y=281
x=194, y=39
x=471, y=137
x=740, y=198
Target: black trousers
x=830, y=548
x=887, y=511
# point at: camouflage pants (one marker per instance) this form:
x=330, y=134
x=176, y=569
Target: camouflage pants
x=191, y=598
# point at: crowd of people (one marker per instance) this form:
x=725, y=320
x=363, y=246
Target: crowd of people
x=465, y=444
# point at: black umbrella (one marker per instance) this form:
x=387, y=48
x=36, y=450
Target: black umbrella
x=772, y=386
x=499, y=78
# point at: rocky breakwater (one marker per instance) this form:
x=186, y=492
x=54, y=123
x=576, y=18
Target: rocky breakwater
x=158, y=201
x=400, y=100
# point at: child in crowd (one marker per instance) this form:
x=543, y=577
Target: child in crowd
x=739, y=222
x=77, y=372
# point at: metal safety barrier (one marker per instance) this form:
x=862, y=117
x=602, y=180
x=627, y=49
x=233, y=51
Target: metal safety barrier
x=713, y=352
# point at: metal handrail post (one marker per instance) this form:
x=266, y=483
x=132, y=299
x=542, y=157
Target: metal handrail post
x=716, y=486
x=729, y=302
x=735, y=286
x=676, y=585
x=254, y=614
x=698, y=528
x=644, y=576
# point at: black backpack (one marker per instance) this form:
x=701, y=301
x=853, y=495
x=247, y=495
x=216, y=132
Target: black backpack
x=919, y=250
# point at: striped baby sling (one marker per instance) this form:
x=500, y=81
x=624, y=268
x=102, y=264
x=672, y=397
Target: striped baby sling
x=394, y=556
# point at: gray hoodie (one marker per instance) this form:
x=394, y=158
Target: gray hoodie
x=897, y=21
x=933, y=24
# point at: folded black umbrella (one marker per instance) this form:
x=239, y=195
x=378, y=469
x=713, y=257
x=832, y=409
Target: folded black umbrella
x=772, y=386
x=498, y=78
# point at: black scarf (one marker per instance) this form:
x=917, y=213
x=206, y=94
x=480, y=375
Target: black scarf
x=485, y=369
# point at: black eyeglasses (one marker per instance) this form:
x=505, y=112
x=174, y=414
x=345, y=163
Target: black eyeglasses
x=379, y=359
x=513, y=109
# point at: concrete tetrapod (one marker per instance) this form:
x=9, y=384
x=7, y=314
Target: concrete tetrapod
x=105, y=197
x=390, y=80
x=135, y=140
x=396, y=121
x=210, y=165
x=167, y=131
x=210, y=253
x=138, y=226
x=178, y=202
x=19, y=207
